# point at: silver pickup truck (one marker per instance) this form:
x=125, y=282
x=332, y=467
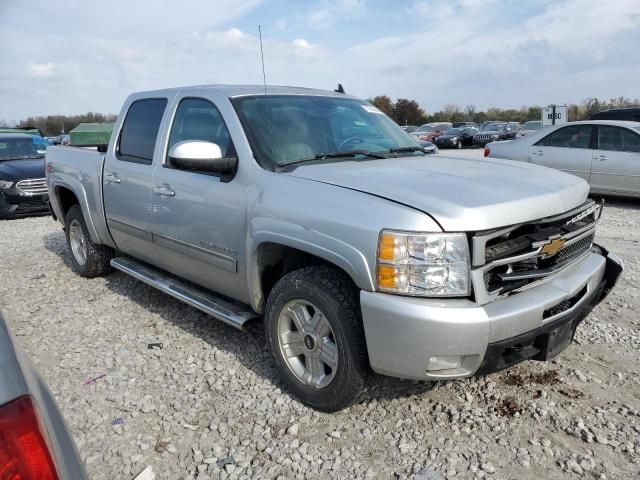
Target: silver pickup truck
x=315, y=212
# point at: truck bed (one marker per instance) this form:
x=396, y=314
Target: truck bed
x=79, y=169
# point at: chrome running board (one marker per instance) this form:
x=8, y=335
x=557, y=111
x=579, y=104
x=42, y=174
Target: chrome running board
x=234, y=314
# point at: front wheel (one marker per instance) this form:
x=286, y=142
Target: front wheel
x=314, y=331
x=88, y=258
x=459, y=144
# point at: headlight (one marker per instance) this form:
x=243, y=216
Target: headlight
x=453, y=140
x=5, y=184
x=423, y=264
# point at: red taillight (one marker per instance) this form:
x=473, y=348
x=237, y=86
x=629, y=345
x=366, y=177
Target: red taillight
x=24, y=454
x=486, y=152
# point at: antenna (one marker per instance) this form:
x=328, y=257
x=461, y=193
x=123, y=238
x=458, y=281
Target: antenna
x=266, y=97
x=264, y=75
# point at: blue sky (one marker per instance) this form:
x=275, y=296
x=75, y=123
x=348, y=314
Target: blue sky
x=80, y=56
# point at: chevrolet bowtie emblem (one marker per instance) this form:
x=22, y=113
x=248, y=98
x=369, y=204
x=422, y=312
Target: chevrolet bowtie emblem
x=552, y=247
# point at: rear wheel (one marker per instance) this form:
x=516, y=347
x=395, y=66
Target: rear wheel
x=88, y=258
x=315, y=335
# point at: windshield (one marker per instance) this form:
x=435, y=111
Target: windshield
x=284, y=129
x=17, y=148
x=493, y=127
x=453, y=131
x=532, y=125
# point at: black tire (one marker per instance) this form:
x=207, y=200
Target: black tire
x=336, y=297
x=97, y=256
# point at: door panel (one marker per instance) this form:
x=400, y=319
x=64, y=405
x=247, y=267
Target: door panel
x=567, y=149
x=616, y=163
x=571, y=160
x=199, y=229
x=128, y=176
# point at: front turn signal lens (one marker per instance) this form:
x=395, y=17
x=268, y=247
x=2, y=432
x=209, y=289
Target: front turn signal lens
x=391, y=247
x=387, y=277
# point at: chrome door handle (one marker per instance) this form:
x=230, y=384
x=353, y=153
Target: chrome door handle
x=602, y=158
x=164, y=191
x=112, y=178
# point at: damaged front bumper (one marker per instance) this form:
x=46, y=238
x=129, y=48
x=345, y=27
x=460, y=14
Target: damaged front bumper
x=436, y=339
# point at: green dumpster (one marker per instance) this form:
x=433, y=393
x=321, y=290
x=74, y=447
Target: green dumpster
x=27, y=130
x=91, y=134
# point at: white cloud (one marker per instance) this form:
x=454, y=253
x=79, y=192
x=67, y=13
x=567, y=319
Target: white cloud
x=280, y=24
x=480, y=52
x=331, y=11
x=41, y=70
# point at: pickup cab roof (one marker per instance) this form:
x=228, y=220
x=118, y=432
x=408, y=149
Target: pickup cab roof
x=233, y=91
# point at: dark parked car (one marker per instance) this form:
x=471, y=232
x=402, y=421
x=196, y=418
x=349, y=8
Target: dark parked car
x=23, y=186
x=409, y=128
x=464, y=124
x=493, y=132
x=456, y=138
x=34, y=440
x=631, y=114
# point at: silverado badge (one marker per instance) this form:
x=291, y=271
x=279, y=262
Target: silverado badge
x=553, y=246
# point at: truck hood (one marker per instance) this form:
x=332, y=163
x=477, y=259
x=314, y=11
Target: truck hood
x=460, y=194
x=22, y=169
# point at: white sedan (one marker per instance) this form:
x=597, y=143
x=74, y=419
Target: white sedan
x=606, y=153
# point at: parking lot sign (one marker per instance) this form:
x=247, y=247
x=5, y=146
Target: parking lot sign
x=555, y=115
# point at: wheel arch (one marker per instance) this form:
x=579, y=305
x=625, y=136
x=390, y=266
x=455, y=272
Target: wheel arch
x=275, y=255
x=64, y=196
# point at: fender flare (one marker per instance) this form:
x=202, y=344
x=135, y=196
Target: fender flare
x=333, y=250
x=81, y=195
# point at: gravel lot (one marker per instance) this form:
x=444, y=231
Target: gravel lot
x=208, y=404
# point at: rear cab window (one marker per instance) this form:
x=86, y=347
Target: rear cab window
x=140, y=130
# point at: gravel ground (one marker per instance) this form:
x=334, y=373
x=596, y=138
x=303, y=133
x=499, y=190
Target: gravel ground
x=208, y=404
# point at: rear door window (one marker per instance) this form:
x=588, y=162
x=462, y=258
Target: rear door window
x=574, y=136
x=615, y=139
x=140, y=130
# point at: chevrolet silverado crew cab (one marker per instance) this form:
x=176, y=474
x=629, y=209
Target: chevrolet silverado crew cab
x=315, y=212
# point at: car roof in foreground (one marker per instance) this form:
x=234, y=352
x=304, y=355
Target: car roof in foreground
x=234, y=91
x=615, y=123
x=12, y=383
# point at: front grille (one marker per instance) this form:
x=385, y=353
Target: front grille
x=36, y=186
x=574, y=250
x=518, y=256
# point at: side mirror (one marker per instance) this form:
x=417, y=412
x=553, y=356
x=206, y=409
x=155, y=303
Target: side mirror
x=201, y=156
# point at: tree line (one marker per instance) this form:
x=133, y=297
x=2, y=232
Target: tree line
x=404, y=111
x=52, y=125
x=408, y=112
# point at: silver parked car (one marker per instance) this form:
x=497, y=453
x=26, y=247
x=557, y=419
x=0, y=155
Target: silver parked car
x=34, y=441
x=529, y=127
x=606, y=153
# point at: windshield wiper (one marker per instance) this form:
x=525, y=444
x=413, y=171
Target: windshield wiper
x=347, y=154
x=406, y=149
